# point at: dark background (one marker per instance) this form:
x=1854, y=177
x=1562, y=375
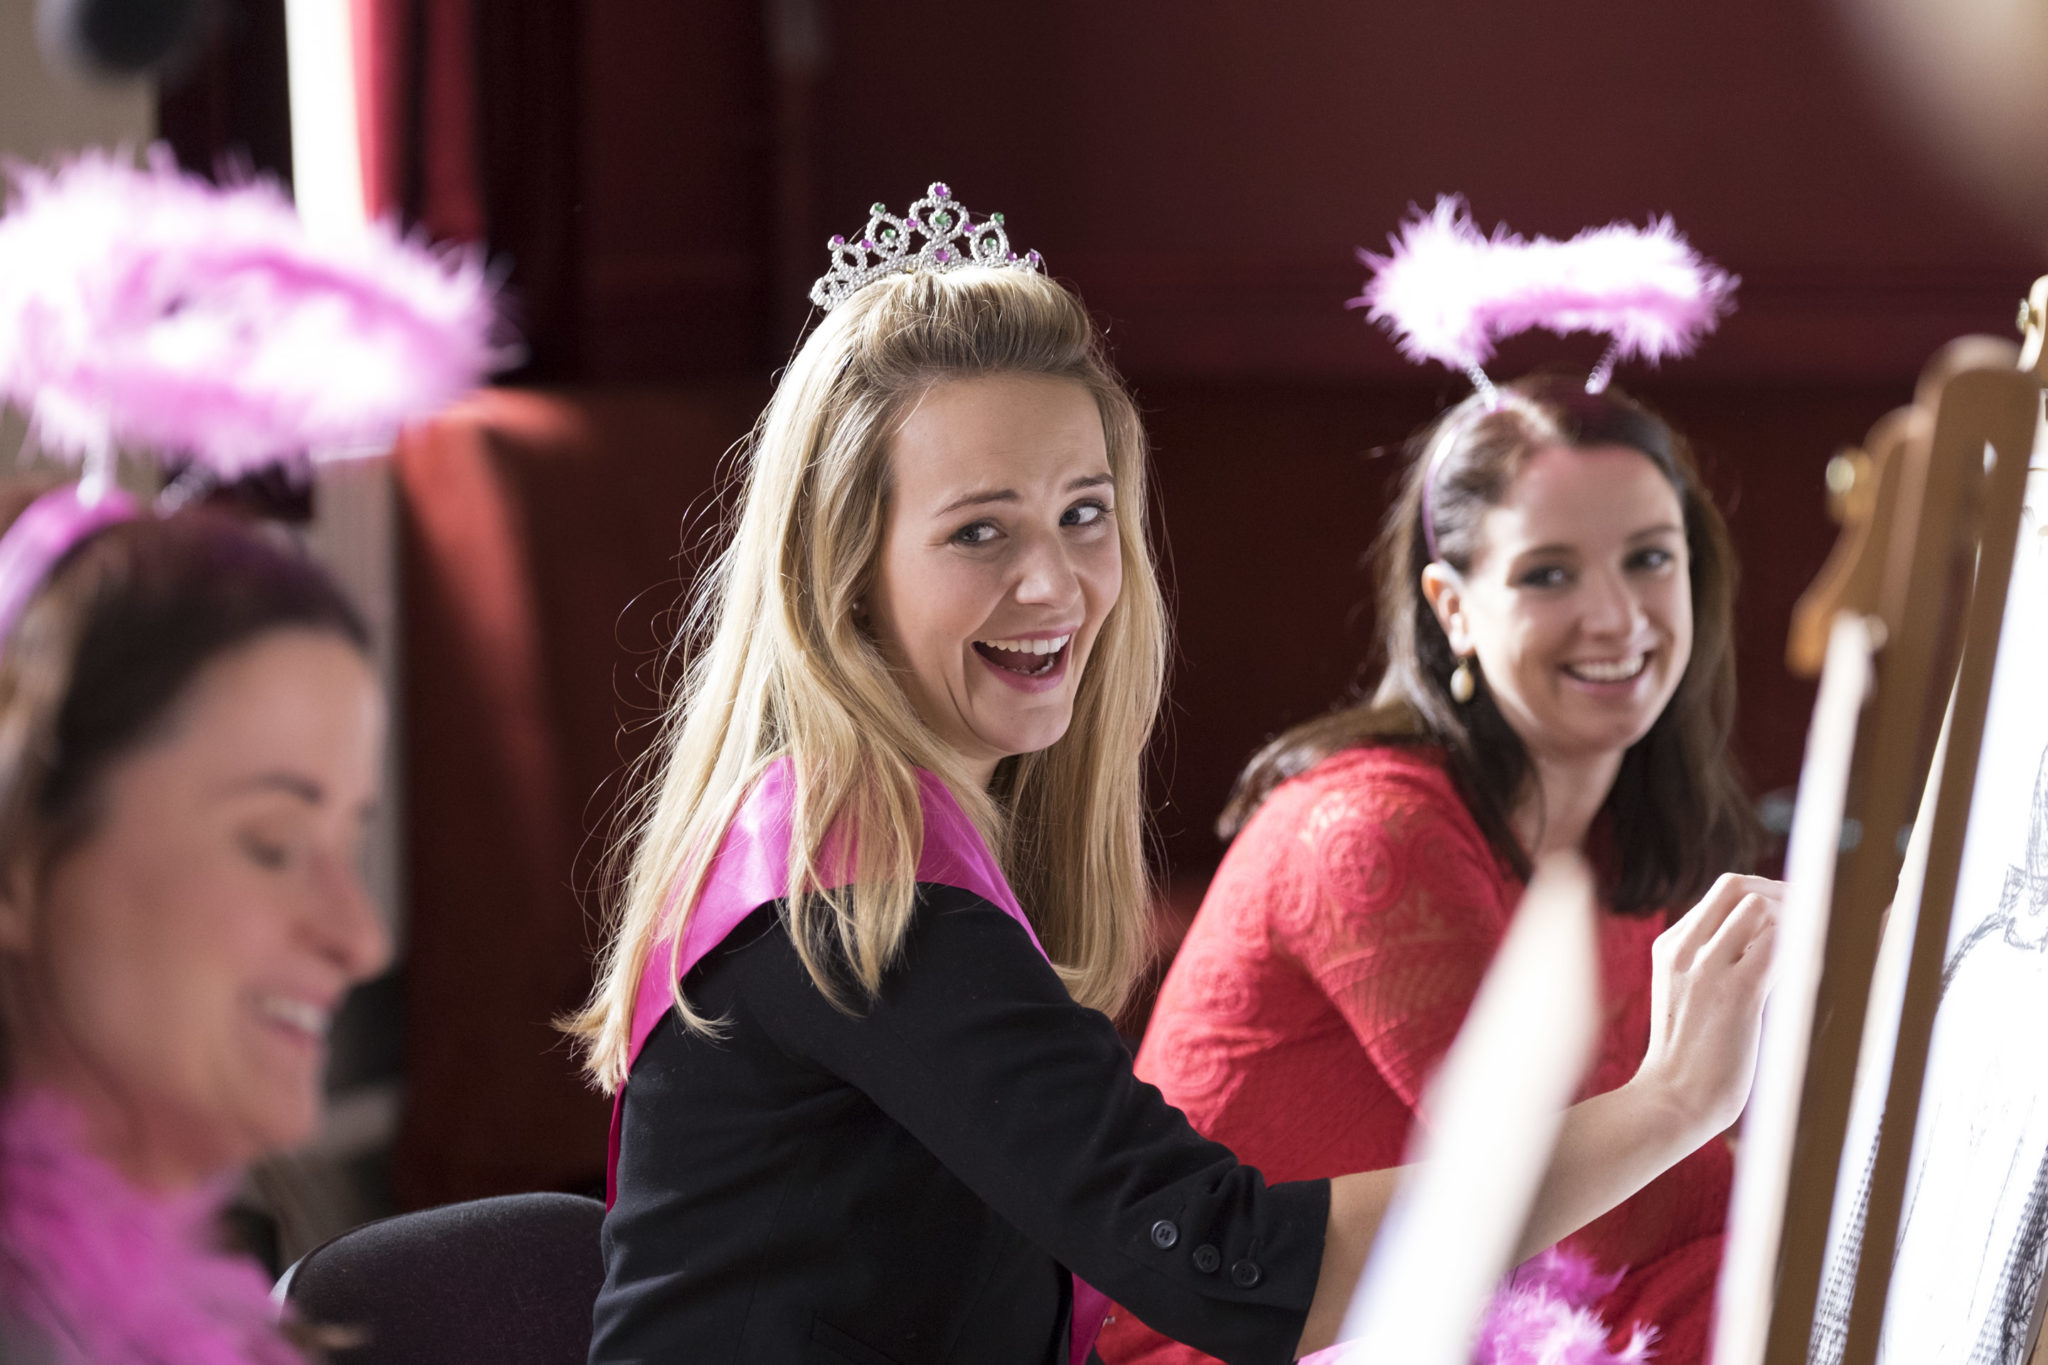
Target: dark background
x=659, y=179
x=1202, y=172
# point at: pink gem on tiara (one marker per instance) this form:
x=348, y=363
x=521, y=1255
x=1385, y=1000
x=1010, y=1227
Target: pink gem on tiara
x=952, y=238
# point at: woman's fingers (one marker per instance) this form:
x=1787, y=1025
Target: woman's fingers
x=1762, y=950
x=1752, y=915
x=1712, y=974
x=1729, y=891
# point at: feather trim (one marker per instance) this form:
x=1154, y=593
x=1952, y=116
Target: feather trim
x=146, y=309
x=1448, y=292
x=1547, y=1314
x=104, y=1274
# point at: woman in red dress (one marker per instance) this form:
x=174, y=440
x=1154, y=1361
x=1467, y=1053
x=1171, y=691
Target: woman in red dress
x=1555, y=591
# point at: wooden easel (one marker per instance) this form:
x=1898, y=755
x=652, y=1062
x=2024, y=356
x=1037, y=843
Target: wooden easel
x=1929, y=527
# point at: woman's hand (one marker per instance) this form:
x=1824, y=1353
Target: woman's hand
x=1710, y=973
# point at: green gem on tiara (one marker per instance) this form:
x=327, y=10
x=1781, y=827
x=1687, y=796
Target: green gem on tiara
x=942, y=221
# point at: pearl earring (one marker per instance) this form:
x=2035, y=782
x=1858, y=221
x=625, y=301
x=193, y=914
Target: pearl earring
x=1461, y=682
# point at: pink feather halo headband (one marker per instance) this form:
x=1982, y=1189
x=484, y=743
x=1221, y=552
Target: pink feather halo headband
x=1448, y=292
x=148, y=310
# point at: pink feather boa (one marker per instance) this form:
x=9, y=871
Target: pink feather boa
x=1546, y=1315
x=148, y=310
x=104, y=1274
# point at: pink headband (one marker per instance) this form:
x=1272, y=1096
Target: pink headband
x=1448, y=292
x=51, y=527
x=146, y=310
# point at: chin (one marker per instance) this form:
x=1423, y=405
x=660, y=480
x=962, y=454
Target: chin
x=283, y=1132
x=1029, y=736
x=1022, y=748
x=283, y=1118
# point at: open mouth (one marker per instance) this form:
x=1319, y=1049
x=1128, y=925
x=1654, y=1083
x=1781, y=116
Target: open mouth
x=300, y=1018
x=1025, y=658
x=1608, y=670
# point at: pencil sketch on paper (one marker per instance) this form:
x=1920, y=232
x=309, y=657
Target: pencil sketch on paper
x=1973, y=1237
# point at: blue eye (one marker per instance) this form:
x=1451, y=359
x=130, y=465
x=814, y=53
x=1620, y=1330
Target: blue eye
x=978, y=533
x=1656, y=557
x=1084, y=514
x=1546, y=576
x=267, y=854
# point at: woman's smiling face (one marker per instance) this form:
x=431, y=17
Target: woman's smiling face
x=174, y=973
x=1578, y=604
x=1000, y=559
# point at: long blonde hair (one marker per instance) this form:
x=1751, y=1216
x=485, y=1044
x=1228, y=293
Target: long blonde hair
x=776, y=664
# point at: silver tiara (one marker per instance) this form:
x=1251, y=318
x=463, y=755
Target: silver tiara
x=952, y=238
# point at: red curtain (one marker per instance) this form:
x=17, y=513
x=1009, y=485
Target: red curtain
x=416, y=114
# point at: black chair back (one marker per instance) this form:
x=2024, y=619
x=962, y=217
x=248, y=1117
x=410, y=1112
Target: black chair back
x=508, y=1281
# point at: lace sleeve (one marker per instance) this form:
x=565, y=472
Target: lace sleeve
x=1405, y=905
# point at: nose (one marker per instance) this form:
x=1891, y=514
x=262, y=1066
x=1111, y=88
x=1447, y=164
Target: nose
x=348, y=928
x=1611, y=605
x=1046, y=574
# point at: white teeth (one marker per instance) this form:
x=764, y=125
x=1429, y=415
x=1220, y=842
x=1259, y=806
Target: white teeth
x=1617, y=670
x=298, y=1014
x=1051, y=646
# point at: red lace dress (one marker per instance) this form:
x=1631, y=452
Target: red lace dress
x=1323, y=980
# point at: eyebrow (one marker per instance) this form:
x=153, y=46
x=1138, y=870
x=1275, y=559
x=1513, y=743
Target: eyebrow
x=291, y=784
x=1662, y=528
x=993, y=495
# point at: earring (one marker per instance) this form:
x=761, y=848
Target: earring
x=1461, y=682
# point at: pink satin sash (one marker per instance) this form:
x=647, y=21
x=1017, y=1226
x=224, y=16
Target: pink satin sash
x=752, y=869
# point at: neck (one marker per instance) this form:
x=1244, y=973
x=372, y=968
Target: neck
x=1561, y=797
x=115, y=1131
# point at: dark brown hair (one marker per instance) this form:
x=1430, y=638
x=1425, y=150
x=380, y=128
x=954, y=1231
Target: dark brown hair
x=98, y=661
x=1677, y=816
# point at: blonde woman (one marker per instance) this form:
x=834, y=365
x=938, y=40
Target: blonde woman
x=889, y=879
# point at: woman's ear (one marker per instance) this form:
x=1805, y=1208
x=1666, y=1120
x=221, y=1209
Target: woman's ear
x=1444, y=590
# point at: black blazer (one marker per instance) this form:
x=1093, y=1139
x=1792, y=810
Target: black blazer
x=907, y=1187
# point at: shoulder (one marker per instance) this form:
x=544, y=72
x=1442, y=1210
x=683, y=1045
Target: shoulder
x=958, y=934
x=1361, y=832
x=947, y=923
x=962, y=928
x=1374, y=792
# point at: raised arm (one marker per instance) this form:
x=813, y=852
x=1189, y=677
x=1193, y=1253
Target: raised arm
x=1711, y=973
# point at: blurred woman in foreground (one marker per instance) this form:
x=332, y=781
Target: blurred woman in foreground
x=189, y=740
x=189, y=729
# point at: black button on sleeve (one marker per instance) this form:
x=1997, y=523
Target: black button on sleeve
x=1245, y=1274
x=1207, y=1258
x=1165, y=1234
